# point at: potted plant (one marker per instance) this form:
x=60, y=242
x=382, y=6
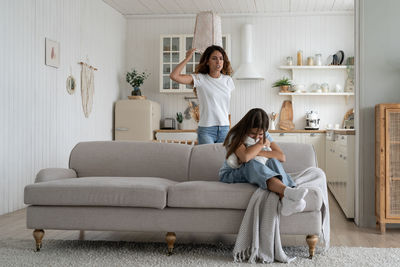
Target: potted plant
x=283, y=84
x=136, y=79
x=179, y=119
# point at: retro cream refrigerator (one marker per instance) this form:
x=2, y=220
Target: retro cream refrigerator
x=136, y=120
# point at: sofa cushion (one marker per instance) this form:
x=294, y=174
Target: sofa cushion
x=205, y=162
x=206, y=194
x=298, y=156
x=131, y=159
x=101, y=191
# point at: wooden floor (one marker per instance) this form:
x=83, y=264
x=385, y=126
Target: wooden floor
x=343, y=233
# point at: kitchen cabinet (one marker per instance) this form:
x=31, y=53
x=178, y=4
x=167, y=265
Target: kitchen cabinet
x=340, y=170
x=287, y=137
x=177, y=136
x=173, y=49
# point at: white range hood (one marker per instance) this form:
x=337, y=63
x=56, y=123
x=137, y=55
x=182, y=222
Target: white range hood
x=247, y=70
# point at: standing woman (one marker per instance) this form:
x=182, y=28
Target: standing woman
x=213, y=86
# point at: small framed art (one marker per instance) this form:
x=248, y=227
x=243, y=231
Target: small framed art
x=52, y=53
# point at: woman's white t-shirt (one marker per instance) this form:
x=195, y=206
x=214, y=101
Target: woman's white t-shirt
x=214, y=98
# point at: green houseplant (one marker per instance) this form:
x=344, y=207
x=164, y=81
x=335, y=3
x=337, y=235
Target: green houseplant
x=179, y=119
x=283, y=84
x=136, y=79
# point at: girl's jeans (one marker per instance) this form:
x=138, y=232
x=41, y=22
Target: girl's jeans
x=254, y=172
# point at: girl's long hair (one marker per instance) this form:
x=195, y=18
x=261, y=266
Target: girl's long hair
x=255, y=118
x=203, y=67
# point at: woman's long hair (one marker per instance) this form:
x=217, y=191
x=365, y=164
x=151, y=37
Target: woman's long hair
x=203, y=67
x=255, y=118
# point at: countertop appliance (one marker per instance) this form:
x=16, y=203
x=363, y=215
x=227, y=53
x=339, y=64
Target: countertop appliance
x=136, y=120
x=168, y=124
x=312, y=120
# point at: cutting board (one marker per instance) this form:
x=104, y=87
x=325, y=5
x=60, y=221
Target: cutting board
x=286, y=117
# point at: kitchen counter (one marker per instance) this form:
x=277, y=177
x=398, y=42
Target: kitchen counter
x=297, y=131
x=336, y=131
x=344, y=131
x=175, y=131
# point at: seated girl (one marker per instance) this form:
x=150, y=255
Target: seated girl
x=270, y=175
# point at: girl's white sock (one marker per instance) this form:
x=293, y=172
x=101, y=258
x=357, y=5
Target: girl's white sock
x=295, y=193
x=289, y=206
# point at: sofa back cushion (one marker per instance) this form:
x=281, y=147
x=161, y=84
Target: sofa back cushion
x=131, y=159
x=206, y=160
x=298, y=156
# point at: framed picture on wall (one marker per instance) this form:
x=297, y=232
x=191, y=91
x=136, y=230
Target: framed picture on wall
x=52, y=53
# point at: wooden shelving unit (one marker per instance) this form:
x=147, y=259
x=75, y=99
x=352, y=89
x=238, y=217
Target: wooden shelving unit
x=387, y=164
x=330, y=67
x=315, y=94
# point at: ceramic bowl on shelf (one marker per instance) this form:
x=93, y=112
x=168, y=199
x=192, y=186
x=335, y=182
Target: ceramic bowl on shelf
x=298, y=87
x=325, y=87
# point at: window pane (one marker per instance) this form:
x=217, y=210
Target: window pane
x=175, y=85
x=166, y=57
x=189, y=41
x=224, y=42
x=166, y=69
x=166, y=44
x=175, y=57
x=189, y=68
x=175, y=44
x=189, y=86
x=166, y=83
x=197, y=57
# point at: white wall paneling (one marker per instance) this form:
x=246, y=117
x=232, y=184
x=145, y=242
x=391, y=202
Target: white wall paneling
x=40, y=121
x=276, y=37
x=168, y=7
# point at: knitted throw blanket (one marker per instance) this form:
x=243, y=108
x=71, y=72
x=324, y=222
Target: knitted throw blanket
x=259, y=236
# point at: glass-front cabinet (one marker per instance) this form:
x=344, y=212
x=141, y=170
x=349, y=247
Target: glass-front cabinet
x=173, y=50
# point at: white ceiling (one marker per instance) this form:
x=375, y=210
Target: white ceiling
x=189, y=7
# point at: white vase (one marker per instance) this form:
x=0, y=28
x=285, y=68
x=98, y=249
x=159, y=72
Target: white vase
x=180, y=126
x=272, y=126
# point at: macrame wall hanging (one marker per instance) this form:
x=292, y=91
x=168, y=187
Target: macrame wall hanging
x=207, y=31
x=87, y=87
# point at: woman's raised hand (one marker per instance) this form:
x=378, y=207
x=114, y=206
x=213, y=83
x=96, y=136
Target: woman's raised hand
x=190, y=53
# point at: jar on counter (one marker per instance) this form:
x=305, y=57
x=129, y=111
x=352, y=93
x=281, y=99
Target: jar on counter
x=310, y=61
x=299, y=58
x=289, y=61
x=318, y=59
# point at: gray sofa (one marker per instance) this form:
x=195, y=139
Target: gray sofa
x=160, y=187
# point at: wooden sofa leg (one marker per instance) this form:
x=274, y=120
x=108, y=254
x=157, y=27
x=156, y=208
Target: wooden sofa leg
x=38, y=235
x=81, y=235
x=312, y=242
x=170, y=238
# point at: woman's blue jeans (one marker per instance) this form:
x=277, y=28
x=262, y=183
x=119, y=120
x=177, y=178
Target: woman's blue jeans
x=212, y=134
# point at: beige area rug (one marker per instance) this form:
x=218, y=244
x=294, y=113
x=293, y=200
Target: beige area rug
x=101, y=253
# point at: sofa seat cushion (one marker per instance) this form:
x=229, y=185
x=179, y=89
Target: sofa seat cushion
x=208, y=194
x=145, y=192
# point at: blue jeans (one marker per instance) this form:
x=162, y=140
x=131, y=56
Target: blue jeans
x=254, y=172
x=212, y=134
